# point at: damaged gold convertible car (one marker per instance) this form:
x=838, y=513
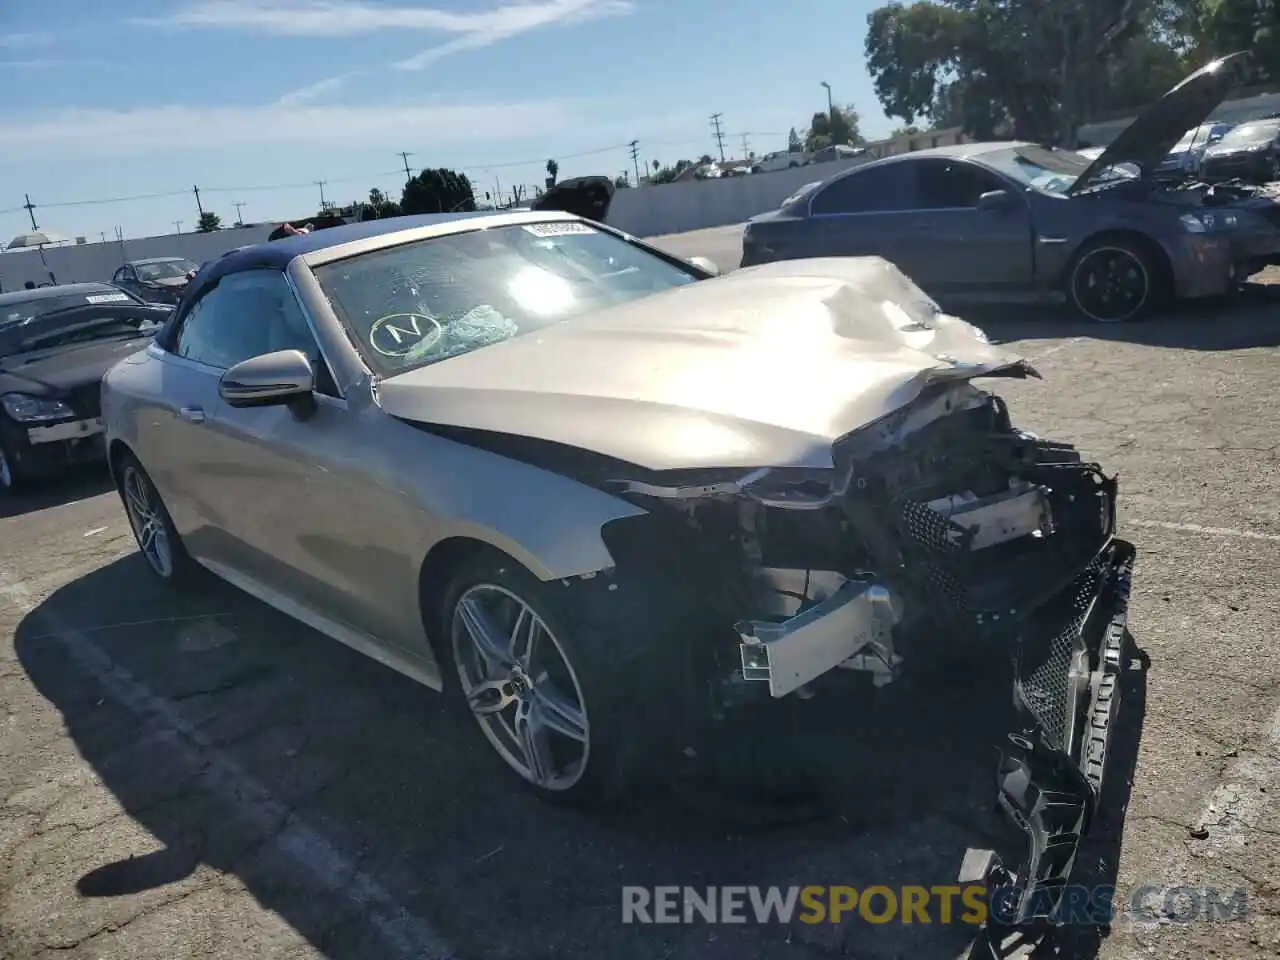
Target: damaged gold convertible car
x=536, y=463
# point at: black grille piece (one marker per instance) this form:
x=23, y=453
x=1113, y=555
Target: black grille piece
x=86, y=400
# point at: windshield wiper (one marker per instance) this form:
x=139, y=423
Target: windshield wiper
x=76, y=330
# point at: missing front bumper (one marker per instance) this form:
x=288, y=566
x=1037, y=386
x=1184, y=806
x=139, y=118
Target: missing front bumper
x=1050, y=776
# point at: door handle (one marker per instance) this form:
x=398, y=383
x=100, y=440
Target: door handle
x=192, y=414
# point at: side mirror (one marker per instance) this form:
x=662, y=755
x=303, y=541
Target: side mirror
x=706, y=265
x=271, y=379
x=996, y=200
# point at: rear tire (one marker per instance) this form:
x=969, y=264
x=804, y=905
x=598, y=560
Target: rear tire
x=1116, y=280
x=574, y=718
x=158, y=542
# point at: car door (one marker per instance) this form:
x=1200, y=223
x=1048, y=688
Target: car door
x=858, y=214
x=301, y=513
x=121, y=279
x=174, y=444
x=951, y=245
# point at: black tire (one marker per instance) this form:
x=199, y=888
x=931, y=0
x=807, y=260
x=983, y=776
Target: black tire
x=1117, y=280
x=181, y=571
x=604, y=632
x=12, y=481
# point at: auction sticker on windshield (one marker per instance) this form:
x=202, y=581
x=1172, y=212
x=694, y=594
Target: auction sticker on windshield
x=107, y=298
x=566, y=229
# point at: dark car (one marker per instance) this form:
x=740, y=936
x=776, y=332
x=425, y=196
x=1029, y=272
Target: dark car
x=1249, y=152
x=1016, y=220
x=55, y=345
x=1184, y=158
x=157, y=280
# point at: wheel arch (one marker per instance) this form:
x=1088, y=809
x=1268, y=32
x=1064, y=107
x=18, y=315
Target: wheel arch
x=116, y=452
x=1154, y=248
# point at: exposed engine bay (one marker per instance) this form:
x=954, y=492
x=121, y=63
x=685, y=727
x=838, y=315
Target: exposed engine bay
x=940, y=525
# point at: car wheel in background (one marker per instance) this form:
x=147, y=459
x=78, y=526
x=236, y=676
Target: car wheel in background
x=158, y=541
x=11, y=481
x=552, y=674
x=1116, y=280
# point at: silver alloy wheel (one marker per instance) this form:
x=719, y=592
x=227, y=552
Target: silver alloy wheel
x=521, y=687
x=148, y=526
x=6, y=474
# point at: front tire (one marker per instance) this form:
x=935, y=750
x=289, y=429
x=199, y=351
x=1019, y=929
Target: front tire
x=556, y=676
x=11, y=481
x=1116, y=281
x=153, y=529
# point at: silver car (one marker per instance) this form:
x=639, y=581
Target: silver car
x=594, y=490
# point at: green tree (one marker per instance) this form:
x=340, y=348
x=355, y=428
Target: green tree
x=209, y=222
x=1033, y=69
x=379, y=206
x=553, y=170
x=622, y=180
x=910, y=130
x=438, y=190
x=704, y=159
x=657, y=165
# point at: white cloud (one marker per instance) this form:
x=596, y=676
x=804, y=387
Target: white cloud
x=313, y=90
x=314, y=132
x=21, y=41
x=507, y=22
x=343, y=18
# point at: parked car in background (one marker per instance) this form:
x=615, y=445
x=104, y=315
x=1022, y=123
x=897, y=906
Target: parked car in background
x=155, y=280
x=779, y=160
x=1248, y=152
x=837, y=151
x=1016, y=220
x=55, y=345
x=599, y=495
x=1184, y=158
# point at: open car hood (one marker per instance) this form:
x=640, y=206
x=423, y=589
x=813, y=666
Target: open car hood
x=587, y=197
x=1149, y=138
x=767, y=366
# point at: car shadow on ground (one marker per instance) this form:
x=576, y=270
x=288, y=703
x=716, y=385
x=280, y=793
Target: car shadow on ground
x=86, y=482
x=237, y=737
x=1251, y=319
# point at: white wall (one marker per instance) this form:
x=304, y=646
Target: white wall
x=676, y=207
x=98, y=261
x=643, y=211
x=1230, y=111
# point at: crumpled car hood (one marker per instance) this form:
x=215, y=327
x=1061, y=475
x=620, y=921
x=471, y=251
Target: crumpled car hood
x=764, y=367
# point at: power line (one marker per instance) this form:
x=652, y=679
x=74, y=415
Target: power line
x=715, y=125
x=30, y=207
x=635, y=159
x=408, y=174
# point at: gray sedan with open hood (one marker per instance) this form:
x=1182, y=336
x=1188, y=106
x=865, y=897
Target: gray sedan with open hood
x=1018, y=221
x=592, y=490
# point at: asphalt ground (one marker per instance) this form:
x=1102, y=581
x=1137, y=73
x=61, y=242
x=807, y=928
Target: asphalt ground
x=202, y=777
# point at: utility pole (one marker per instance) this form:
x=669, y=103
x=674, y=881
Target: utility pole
x=831, y=110
x=199, y=205
x=239, y=216
x=715, y=125
x=408, y=174
x=178, y=225
x=635, y=159
x=320, y=184
x=746, y=146
x=31, y=211
x=103, y=235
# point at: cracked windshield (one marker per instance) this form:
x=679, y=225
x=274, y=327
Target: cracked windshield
x=639, y=480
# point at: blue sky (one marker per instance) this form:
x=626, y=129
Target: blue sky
x=255, y=101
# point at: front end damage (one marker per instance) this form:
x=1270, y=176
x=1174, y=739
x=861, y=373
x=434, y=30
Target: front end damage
x=940, y=528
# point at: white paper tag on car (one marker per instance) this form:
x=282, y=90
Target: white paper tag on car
x=568, y=228
x=107, y=298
